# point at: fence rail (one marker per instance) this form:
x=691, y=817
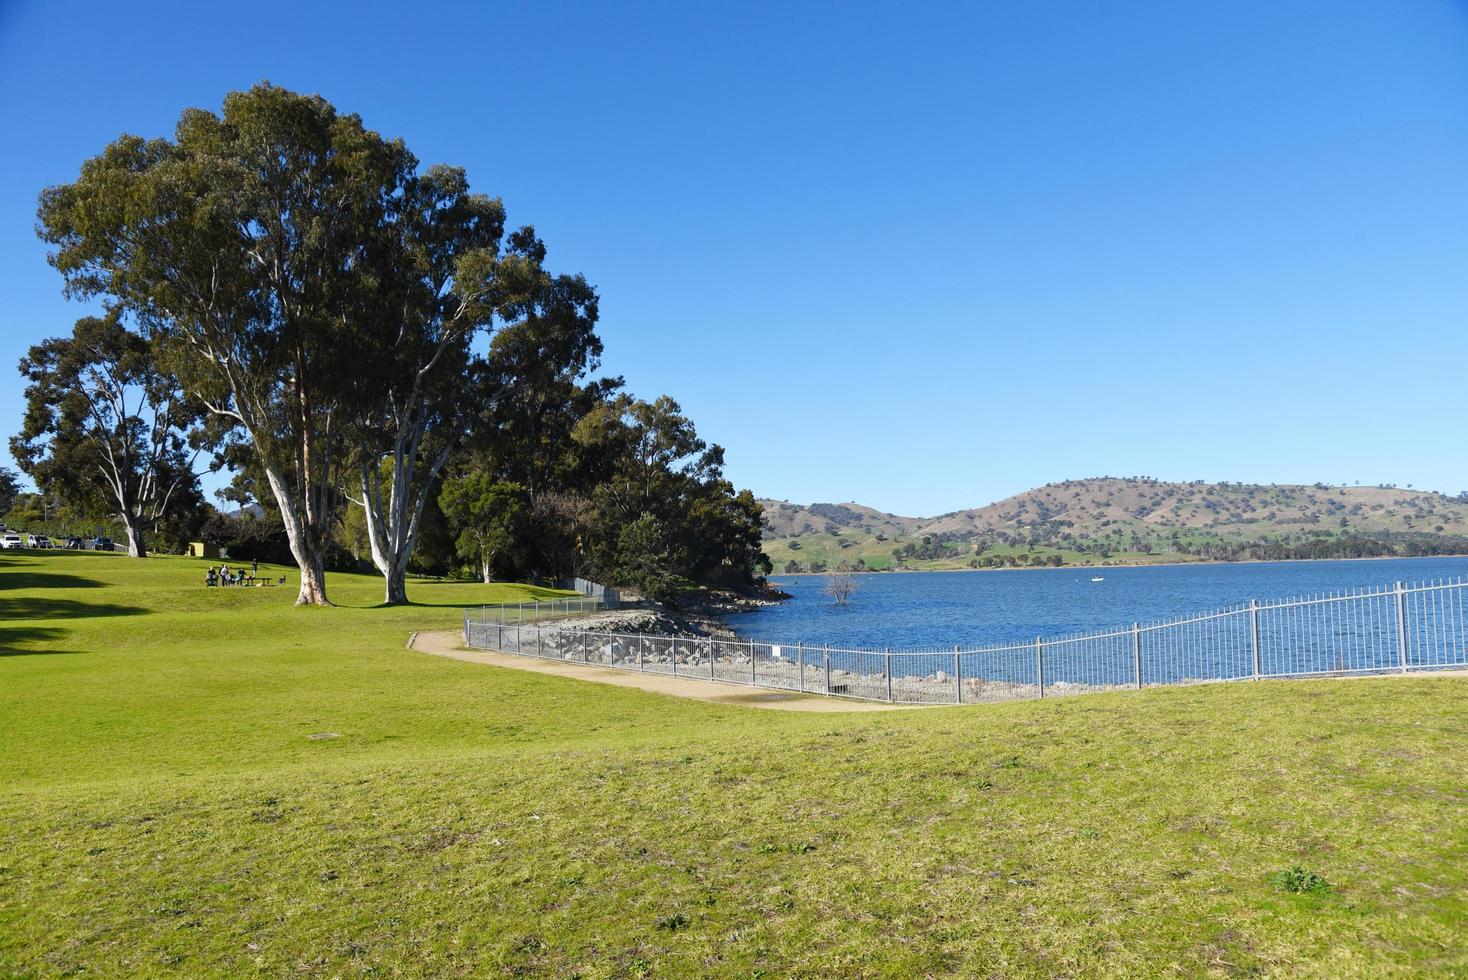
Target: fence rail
x=1395, y=629
x=535, y=612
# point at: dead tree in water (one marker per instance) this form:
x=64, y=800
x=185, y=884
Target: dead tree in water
x=840, y=586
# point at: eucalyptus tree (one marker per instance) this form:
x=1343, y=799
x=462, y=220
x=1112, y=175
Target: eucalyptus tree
x=103, y=424
x=9, y=490
x=243, y=246
x=447, y=278
x=486, y=513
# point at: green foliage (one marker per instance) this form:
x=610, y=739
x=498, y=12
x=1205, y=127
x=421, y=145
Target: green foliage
x=1298, y=881
x=642, y=560
x=9, y=489
x=486, y=514
x=646, y=461
x=245, y=245
x=327, y=300
x=106, y=431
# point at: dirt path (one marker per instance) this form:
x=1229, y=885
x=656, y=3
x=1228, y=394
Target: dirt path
x=450, y=643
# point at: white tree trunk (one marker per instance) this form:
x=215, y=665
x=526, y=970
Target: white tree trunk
x=310, y=559
x=135, y=546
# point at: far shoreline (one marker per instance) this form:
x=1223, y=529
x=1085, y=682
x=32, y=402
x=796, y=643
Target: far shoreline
x=1128, y=564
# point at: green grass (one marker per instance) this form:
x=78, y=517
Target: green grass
x=163, y=811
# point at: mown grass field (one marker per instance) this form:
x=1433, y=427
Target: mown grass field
x=164, y=812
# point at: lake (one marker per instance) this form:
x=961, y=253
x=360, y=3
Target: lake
x=941, y=609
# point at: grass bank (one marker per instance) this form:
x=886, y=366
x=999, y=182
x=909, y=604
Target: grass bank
x=166, y=810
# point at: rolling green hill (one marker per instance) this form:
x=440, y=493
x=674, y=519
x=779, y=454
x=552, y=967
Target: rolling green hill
x=1109, y=520
x=201, y=783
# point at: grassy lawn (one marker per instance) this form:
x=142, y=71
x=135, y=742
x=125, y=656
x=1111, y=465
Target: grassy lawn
x=163, y=811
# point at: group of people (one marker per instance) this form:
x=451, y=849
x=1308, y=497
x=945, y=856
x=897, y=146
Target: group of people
x=224, y=575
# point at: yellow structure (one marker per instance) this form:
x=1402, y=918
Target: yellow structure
x=198, y=549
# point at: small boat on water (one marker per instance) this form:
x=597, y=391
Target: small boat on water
x=1098, y=578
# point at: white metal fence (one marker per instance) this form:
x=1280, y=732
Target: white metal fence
x=1395, y=629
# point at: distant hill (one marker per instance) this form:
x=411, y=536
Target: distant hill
x=1126, y=519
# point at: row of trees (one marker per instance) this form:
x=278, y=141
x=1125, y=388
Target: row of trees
x=290, y=295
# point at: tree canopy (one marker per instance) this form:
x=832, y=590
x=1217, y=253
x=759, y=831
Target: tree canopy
x=359, y=327
x=106, y=429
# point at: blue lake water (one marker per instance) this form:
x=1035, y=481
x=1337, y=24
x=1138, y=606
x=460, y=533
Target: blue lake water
x=941, y=609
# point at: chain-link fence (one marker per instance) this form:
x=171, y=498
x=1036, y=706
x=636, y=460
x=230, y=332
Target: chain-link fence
x=1397, y=629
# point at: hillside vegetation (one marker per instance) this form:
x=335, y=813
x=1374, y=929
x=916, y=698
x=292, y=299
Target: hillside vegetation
x=211, y=783
x=1138, y=519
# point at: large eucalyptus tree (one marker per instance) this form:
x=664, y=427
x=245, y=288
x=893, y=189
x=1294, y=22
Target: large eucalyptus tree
x=241, y=245
x=446, y=278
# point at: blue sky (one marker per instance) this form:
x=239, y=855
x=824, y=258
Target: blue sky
x=920, y=256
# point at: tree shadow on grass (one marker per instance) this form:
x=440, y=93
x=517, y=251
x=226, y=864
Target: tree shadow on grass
x=45, y=580
x=18, y=641
x=40, y=607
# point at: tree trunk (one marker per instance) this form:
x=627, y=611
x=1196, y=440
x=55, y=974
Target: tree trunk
x=484, y=572
x=396, y=593
x=135, y=546
x=308, y=551
x=313, y=581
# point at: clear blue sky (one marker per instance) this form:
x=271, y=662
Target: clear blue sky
x=920, y=256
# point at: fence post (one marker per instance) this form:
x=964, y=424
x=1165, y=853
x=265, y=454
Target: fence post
x=1040, y=664
x=1137, y=653
x=501, y=646
x=1402, y=626
x=753, y=675
x=887, y=666
x=710, y=644
x=800, y=665
x=1254, y=634
x=585, y=647
x=957, y=676
x=674, y=656
x=826, y=660
x=466, y=626
x=639, y=651
x=539, y=644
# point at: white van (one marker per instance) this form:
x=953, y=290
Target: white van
x=11, y=540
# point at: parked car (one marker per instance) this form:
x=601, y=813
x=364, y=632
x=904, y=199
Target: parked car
x=39, y=541
x=102, y=544
x=10, y=540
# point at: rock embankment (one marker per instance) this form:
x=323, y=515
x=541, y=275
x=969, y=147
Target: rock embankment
x=651, y=621
x=701, y=615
